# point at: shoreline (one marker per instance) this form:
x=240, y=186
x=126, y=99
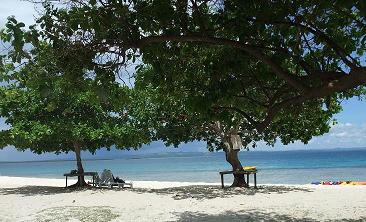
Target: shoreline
x=15, y=181
x=60, y=182
x=47, y=200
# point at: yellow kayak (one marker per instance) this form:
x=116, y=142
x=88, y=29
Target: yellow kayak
x=353, y=183
x=360, y=183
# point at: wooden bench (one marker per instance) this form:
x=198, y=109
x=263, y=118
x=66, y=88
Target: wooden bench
x=92, y=174
x=245, y=172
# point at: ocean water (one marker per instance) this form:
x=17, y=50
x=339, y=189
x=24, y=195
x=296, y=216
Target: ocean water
x=277, y=167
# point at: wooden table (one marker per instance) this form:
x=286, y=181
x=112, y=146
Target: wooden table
x=92, y=174
x=245, y=172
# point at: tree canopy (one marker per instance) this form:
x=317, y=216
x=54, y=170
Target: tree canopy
x=48, y=103
x=313, y=49
x=190, y=107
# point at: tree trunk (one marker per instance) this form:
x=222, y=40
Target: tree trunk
x=81, y=181
x=233, y=144
x=232, y=158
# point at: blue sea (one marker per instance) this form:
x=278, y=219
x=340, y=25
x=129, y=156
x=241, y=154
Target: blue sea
x=275, y=167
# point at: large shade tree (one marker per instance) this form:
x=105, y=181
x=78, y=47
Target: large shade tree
x=53, y=105
x=181, y=104
x=315, y=48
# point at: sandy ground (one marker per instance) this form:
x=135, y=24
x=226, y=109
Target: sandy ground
x=31, y=199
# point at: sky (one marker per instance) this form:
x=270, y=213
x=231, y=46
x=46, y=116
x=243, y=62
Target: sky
x=350, y=131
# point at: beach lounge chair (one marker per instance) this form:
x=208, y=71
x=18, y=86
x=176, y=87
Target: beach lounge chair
x=107, y=179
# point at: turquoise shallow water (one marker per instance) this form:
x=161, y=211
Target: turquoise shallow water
x=291, y=167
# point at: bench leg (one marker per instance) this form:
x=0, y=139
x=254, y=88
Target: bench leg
x=66, y=181
x=248, y=179
x=222, y=181
x=255, y=181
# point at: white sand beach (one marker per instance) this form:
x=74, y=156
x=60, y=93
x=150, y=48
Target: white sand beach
x=34, y=199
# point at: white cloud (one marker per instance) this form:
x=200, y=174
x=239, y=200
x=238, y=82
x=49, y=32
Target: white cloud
x=342, y=135
x=349, y=133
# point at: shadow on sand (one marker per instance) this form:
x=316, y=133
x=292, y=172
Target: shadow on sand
x=76, y=213
x=178, y=193
x=210, y=192
x=252, y=216
x=49, y=190
x=38, y=190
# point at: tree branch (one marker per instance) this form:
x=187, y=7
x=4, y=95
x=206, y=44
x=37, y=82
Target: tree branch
x=315, y=31
x=276, y=68
x=241, y=112
x=344, y=83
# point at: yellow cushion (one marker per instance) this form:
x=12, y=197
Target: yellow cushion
x=249, y=168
